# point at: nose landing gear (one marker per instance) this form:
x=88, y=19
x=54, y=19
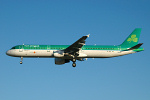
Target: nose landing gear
x=21, y=60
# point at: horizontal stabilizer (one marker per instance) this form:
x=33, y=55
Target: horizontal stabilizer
x=134, y=47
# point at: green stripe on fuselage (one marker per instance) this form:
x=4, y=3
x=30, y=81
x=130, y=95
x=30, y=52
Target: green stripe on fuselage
x=61, y=47
x=85, y=47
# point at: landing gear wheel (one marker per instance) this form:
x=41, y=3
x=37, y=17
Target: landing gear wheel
x=20, y=62
x=74, y=64
x=74, y=60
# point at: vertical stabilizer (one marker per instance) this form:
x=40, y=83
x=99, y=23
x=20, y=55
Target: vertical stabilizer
x=133, y=38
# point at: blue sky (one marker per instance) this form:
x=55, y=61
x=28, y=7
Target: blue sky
x=63, y=22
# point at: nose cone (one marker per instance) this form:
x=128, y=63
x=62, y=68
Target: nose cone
x=8, y=53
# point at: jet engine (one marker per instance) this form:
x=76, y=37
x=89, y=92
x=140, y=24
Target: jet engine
x=59, y=61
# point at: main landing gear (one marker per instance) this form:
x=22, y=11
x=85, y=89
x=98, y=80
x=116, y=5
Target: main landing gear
x=21, y=60
x=74, y=62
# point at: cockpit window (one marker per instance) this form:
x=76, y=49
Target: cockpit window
x=13, y=48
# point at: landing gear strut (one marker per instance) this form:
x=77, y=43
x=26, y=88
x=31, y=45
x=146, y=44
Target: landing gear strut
x=74, y=64
x=21, y=60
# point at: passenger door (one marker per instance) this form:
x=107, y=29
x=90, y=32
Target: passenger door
x=20, y=48
x=48, y=48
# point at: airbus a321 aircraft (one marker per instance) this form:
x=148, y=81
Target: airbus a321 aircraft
x=78, y=50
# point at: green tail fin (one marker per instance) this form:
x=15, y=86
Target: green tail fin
x=133, y=38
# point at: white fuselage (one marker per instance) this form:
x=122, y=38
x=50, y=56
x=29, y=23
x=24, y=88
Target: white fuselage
x=82, y=53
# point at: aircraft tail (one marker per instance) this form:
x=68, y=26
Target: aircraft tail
x=133, y=38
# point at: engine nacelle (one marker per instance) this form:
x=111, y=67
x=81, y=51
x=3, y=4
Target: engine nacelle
x=59, y=61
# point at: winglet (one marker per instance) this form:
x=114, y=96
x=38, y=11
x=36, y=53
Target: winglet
x=88, y=35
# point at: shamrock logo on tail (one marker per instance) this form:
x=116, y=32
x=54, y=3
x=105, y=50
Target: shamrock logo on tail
x=133, y=38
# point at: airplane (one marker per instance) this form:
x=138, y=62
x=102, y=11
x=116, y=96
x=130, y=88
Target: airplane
x=78, y=50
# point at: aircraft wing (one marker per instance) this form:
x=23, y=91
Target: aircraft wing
x=75, y=47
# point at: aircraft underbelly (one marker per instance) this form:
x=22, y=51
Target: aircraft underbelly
x=105, y=53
